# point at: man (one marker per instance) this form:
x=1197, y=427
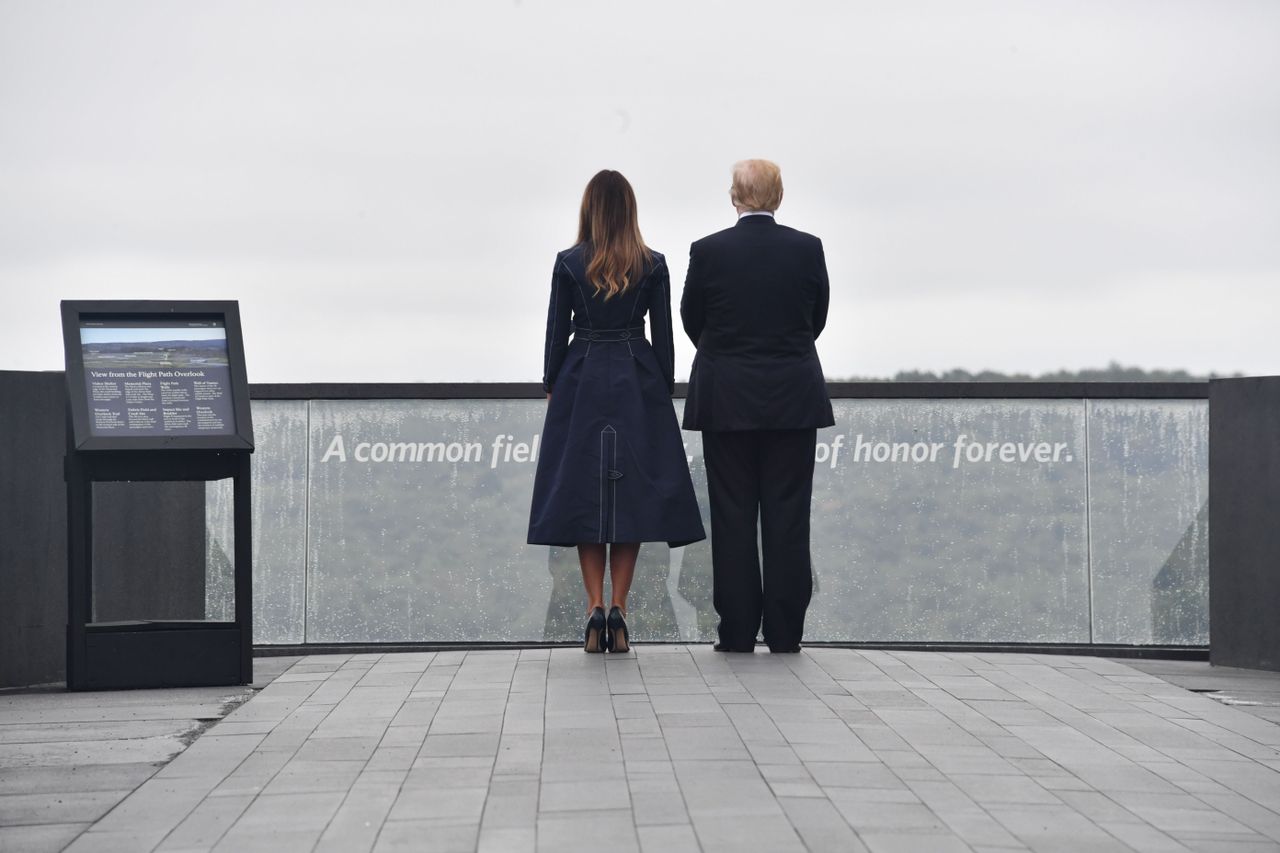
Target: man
x=754, y=301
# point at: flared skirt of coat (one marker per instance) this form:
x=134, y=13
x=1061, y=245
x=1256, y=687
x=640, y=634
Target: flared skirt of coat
x=611, y=463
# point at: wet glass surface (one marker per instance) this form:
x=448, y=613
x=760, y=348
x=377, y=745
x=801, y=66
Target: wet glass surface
x=417, y=521
x=220, y=551
x=1149, y=521
x=958, y=520
x=933, y=520
x=278, y=507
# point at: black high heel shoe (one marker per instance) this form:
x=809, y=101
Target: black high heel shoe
x=596, y=639
x=617, y=631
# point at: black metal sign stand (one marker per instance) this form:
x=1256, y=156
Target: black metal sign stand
x=151, y=653
x=154, y=653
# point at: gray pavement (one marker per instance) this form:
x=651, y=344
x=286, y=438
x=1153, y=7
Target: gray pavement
x=67, y=759
x=677, y=748
x=1251, y=690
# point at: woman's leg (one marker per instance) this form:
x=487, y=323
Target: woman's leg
x=591, y=560
x=622, y=568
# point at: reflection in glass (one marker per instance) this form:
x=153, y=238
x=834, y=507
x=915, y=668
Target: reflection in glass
x=154, y=557
x=651, y=613
x=693, y=585
x=1148, y=496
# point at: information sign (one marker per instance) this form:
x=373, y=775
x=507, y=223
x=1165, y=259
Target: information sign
x=157, y=377
x=147, y=375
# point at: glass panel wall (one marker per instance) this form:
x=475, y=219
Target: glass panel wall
x=220, y=550
x=418, y=511
x=1149, y=521
x=933, y=520
x=951, y=520
x=278, y=503
x=278, y=508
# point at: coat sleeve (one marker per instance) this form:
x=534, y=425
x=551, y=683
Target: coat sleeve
x=660, y=323
x=823, y=300
x=559, y=312
x=693, y=300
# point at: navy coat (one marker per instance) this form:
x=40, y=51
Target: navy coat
x=611, y=463
x=755, y=299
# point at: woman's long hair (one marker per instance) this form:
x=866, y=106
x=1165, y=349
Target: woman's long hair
x=610, y=229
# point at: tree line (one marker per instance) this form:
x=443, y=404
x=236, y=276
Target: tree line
x=1113, y=372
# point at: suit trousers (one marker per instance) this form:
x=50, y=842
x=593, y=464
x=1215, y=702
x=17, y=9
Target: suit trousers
x=764, y=477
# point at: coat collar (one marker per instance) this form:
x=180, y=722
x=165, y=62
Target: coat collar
x=756, y=221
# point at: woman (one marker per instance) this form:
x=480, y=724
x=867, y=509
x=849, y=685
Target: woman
x=611, y=469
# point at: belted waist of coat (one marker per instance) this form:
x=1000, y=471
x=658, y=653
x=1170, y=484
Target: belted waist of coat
x=630, y=333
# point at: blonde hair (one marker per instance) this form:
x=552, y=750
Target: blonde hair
x=610, y=229
x=757, y=185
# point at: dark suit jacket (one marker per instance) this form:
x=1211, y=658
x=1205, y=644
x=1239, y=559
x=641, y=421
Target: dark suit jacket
x=754, y=301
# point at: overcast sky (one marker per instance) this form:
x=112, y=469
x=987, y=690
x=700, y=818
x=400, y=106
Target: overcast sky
x=1020, y=186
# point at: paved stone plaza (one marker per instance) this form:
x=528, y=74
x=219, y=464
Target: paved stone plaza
x=671, y=748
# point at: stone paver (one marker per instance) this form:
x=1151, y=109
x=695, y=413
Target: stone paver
x=69, y=759
x=1252, y=690
x=676, y=748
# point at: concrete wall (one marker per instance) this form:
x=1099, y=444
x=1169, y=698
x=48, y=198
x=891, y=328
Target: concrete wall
x=1244, y=522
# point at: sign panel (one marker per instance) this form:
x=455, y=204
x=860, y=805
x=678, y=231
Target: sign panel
x=146, y=375
x=157, y=377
